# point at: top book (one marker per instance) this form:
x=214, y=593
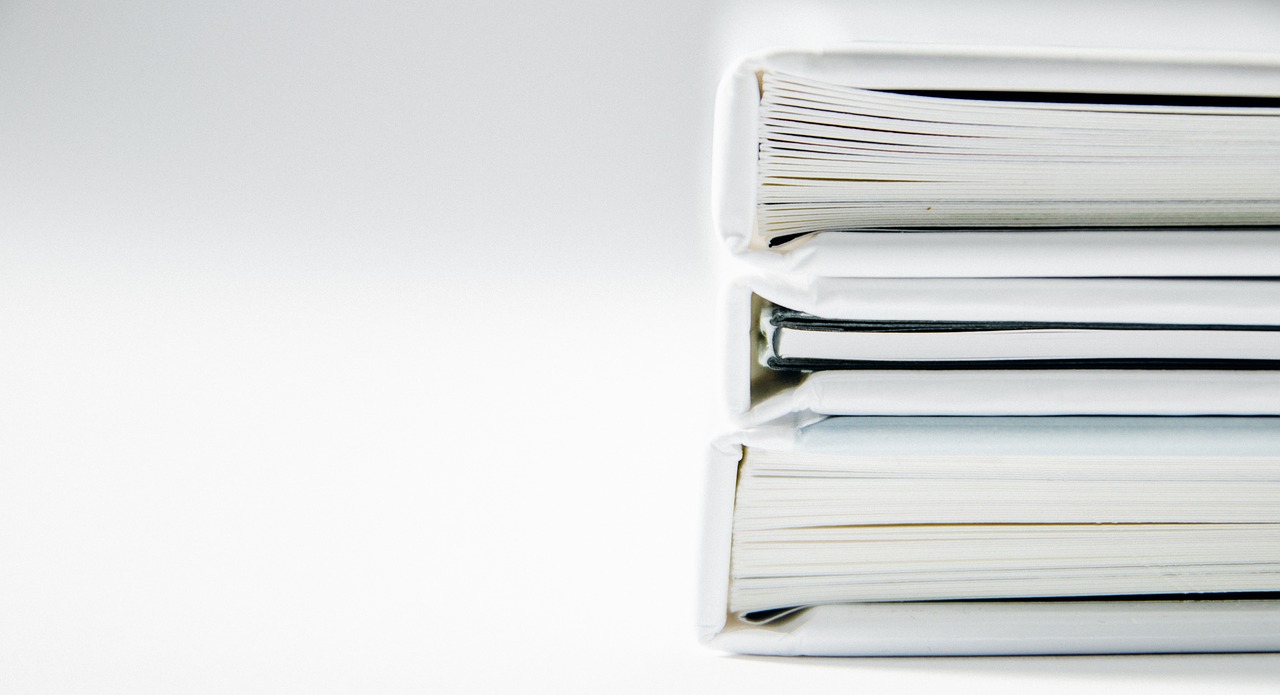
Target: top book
x=1053, y=162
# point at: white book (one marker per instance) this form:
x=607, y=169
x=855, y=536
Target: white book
x=933, y=161
x=804, y=367
x=987, y=528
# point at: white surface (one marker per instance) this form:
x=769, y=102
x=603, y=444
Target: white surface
x=1030, y=254
x=1012, y=392
x=233, y=456
x=998, y=628
x=1097, y=300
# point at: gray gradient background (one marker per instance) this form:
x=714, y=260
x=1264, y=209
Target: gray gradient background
x=329, y=356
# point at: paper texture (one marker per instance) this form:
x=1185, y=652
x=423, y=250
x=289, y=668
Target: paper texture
x=977, y=627
x=1202, y=253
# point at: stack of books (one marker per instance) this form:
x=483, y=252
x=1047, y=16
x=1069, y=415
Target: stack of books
x=1007, y=360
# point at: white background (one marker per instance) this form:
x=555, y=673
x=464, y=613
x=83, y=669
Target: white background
x=335, y=342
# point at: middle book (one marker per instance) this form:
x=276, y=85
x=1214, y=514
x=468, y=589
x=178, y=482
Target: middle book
x=1003, y=346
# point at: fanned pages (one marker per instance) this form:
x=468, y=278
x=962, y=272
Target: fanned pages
x=907, y=509
x=838, y=158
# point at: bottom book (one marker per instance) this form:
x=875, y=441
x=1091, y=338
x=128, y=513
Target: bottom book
x=995, y=535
